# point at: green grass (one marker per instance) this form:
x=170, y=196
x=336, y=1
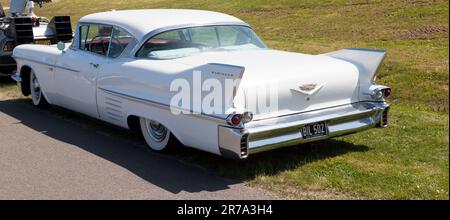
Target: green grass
x=408, y=160
x=8, y=90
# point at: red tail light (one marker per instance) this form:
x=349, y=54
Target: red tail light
x=387, y=92
x=238, y=119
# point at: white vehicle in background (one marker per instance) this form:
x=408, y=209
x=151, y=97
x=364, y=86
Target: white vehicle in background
x=122, y=64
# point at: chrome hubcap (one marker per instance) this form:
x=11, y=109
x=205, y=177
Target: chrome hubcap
x=35, y=88
x=156, y=130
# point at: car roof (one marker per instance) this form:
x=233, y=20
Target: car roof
x=139, y=23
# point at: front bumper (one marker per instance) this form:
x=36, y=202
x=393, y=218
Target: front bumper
x=272, y=133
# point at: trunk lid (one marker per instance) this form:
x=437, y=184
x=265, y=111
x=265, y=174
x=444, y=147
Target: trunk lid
x=277, y=83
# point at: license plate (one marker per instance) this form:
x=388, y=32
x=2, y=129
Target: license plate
x=43, y=42
x=319, y=129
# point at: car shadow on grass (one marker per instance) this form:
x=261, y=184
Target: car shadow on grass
x=187, y=170
x=273, y=162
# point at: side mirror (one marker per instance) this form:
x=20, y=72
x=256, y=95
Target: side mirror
x=61, y=46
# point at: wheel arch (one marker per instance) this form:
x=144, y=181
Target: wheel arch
x=25, y=72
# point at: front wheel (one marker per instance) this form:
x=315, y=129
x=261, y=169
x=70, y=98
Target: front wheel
x=37, y=96
x=157, y=136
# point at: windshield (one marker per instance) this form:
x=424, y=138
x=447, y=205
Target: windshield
x=189, y=41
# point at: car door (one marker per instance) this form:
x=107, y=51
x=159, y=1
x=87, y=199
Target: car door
x=115, y=76
x=79, y=66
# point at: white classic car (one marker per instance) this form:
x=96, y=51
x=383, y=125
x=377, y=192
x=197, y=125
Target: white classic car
x=204, y=79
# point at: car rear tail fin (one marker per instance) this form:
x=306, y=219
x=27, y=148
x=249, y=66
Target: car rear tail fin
x=366, y=60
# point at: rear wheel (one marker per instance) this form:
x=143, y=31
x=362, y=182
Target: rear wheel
x=37, y=96
x=157, y=136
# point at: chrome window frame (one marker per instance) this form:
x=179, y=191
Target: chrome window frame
x=132, y=42
x=76, y=45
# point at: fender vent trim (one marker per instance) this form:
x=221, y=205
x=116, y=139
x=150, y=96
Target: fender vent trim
x=244, y=146
x=385, y=118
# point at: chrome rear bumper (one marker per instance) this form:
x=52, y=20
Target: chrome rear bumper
x=268, y=134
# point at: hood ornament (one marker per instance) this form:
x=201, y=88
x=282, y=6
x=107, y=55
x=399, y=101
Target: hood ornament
x=309, y=88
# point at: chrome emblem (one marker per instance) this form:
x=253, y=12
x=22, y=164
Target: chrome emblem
x=309, y=88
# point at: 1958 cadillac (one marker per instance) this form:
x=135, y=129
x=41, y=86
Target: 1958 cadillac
x=167, y=74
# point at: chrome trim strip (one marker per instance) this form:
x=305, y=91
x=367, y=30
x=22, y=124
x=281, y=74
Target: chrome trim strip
x=31, y=60
x=3, y=74
x=45, y=63
x=368, y=50
x=12, y=64
x=315, y=110
x=65, y=68
x=165, y=106
x=16, y=78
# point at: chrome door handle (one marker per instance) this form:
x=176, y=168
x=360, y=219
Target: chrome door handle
x=95, y=65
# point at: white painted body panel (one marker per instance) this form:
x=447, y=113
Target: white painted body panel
x=288, y=71
x=196, y=132
x=76, y=80
x=40, y=58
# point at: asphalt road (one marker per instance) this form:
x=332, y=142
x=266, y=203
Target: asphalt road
x=43, y=156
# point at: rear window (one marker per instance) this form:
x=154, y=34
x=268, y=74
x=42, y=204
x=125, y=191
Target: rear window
x=189, y=41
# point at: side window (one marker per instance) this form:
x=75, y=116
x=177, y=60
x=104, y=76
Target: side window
x=228, y=35
x=119, y=41
x=83, y=35
x=170, y=44
x=95, y=38
x=204, y=35
x=170, y=35
x=235, y=36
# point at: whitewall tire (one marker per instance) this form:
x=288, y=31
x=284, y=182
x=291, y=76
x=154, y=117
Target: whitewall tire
x=37, y=96
x=157, y=136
